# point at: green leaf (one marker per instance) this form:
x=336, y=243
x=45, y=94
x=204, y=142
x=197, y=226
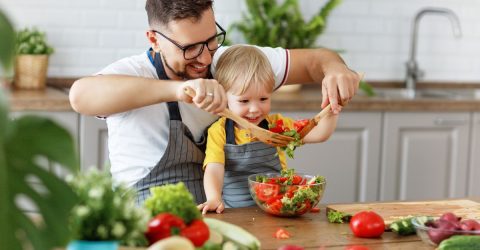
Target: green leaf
x=23, y=143
x=32, y=41
x=281, y=23
x=367, y=88
x=7, y=42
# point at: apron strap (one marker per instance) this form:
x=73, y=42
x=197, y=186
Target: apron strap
x=173, y=109
x=230, y=131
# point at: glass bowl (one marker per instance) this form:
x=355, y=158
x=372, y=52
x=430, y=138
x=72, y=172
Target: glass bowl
x=433, y=236
x=286, y=200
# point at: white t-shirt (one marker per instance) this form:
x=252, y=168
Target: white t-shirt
x=137, y=139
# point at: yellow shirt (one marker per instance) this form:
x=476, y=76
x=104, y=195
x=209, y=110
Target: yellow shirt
x=217, y=139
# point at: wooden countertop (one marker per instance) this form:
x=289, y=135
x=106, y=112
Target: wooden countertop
x=49, y=99
x=312, y=231
x=307, y=99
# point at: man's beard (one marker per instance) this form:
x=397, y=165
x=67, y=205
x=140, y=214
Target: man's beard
x=181, y=74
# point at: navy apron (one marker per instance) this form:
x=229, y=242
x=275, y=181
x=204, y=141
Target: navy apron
x=183, y=157
x=242, y=161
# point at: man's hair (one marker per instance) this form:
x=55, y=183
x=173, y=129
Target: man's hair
x=243, y=66
x=161, y=12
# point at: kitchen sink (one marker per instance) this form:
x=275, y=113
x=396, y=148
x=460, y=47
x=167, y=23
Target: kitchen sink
x=460, y=94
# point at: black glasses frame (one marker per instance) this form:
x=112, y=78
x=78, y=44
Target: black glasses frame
x=204, y=43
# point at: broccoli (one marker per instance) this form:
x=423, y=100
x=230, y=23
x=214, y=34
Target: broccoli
x=174, y=199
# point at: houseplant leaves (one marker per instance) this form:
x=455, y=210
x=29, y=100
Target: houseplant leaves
x=24, y=143
x=7, y=43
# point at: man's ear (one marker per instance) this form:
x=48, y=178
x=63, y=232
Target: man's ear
x=152, y=39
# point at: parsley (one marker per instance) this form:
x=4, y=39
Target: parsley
x=291, y=146
x=338, y=217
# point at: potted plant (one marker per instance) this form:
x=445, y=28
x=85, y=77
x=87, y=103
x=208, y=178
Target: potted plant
x=104, y=216
x=281, y=24
x=23, y=142
x=32, y=59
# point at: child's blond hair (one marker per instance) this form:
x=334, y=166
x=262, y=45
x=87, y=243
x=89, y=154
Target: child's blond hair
x=241, y=67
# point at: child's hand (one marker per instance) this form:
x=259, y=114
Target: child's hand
x=211, y=205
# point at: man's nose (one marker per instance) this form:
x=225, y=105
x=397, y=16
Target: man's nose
x=205, y=57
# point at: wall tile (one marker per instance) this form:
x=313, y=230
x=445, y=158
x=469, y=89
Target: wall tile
x=375, y=34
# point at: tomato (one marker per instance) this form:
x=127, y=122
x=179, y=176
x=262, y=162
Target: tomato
x=304, y=207
x=162, y=226
x=356, y=247
x=265, y=191
x=291, y=191
x=197, y=232
x=290, y=247
x=300, y=124
x=276, y=180
x=281, y=234
x=273, y=199
x=315, y=210
x=277, y=127
x=297, y=180
x=275, y=207
x=367, y=224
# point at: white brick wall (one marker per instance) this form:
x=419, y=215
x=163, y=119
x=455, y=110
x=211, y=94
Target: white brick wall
x=89, y=34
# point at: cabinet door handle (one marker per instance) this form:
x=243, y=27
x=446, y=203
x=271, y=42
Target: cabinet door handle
x=450, y=122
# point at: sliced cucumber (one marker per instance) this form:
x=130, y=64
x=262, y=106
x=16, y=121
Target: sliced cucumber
x=405, y=226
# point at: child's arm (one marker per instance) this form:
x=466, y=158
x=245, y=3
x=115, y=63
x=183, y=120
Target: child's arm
x=323, y=130
x=213, y=184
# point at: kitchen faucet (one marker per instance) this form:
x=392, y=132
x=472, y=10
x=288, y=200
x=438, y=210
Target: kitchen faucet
x=413, y=72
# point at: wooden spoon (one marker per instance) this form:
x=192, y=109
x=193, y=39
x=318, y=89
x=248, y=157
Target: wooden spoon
x=257, y=132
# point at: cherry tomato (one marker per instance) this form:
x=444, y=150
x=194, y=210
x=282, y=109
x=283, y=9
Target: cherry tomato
x=367, y=224
x=197, y=232
x=300, y=124
x=162, y=226
x=277, y=127
x=281, y=234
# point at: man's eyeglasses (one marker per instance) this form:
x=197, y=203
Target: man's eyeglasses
x=192, y=51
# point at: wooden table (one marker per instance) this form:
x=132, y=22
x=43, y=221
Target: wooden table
x=312, y=231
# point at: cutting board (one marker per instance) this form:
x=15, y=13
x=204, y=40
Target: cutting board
x=392, y=211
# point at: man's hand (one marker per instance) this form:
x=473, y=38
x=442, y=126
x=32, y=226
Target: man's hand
x=209, y=95
x=339, y=86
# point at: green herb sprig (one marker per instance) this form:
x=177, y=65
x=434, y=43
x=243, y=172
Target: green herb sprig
x=32, y=42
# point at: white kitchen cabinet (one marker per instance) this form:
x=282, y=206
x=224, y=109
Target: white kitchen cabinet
x=474, y=168
x=93, y=143
x=425, y=155
x=349, y=159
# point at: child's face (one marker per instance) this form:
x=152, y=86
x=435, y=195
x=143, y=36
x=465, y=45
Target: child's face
x=253, y=105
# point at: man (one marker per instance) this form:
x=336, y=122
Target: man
x=155, y=136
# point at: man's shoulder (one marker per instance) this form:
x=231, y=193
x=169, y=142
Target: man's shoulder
x=138, y=65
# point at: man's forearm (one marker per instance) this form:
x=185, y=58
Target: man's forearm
x=109, y=94
x=310, y=65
